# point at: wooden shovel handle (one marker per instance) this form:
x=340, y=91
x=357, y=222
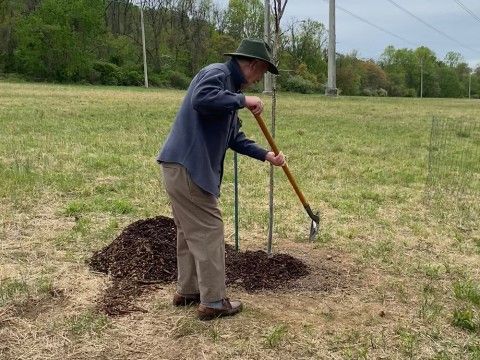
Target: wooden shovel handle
x=285, y=168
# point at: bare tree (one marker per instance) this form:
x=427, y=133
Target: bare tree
x=278, y=10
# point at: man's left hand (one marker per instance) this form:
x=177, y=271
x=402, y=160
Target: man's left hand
x=277, y=160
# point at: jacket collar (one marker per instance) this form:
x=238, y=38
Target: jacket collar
x=237, y=76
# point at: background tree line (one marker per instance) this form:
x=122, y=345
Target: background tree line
x=99, y=42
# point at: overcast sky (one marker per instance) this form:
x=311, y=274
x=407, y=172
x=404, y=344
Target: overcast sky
x=461, y=30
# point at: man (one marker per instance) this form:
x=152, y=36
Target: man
x=192, y=162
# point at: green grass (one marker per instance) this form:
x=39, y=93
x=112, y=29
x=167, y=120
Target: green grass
x=87, y=323
x=77, y=164
x=10, y=288
x=275, y=335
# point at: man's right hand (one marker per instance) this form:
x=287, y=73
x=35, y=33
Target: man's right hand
x=254, y=104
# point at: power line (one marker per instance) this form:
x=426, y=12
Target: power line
x=432, y=27
x=375, y=26
x=467, y=10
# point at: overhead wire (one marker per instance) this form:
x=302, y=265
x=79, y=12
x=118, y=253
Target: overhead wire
x=375, y=26
x=432, y=27
x=467, y=10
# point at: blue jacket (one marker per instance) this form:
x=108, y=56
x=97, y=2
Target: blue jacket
x=207, y=125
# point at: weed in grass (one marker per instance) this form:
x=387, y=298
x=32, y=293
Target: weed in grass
x=108, y=232
x=275, y=335
x=325, y=236
x=463, y=133
x=348, y=342
x=88, y=323
x=44, y=286
x=64, y=182
x=329, y=314
x=372, y=196
x=382, y=250
x=309, y=329
x=337, y=148
x=119, y=207
x=75, y=208
x=474, y=352
x=442, y=355
x=214, y=333
x=464, y=318
x=430, y=307
x=408, y=342
x=79, y=234
x=10, y=288
x=433, y=271
x=161, y=305
x=82, y=226
x=467, y=290
x=186, y=326
x=359, y=352
x=393, y=290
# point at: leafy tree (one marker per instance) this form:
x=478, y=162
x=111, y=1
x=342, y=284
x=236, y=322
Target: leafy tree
x=308, y=45
x=453, y=59
x=403, y=71
x=57, y=41
x=450, y=85
x=372, y=77
x=245, y=19
x=348, y=74
x=428, y=64
x=11, y=11
x=219, y=44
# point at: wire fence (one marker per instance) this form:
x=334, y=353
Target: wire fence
x=453, y=182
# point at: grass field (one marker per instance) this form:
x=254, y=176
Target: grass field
x=77, y=165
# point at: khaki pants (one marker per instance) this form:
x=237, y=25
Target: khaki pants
x=200, y=236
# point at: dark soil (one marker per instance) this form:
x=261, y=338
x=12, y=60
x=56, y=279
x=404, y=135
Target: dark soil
x=145, y=254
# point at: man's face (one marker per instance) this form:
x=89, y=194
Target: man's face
x=255, y=71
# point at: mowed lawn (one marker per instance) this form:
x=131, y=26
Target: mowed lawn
x=77, y=165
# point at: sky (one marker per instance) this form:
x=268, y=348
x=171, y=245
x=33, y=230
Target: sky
x=460, y=29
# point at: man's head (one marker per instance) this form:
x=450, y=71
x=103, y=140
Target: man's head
x=255, y=59
x=252, y=69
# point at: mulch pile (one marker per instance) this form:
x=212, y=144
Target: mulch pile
x=145, y=254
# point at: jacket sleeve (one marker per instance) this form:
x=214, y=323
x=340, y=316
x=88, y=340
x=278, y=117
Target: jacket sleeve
x=211, y=96
x=241, y=144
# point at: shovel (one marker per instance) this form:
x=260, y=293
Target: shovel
x=314, y=226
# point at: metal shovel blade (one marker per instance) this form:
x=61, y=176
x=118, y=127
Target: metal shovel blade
x=315, y=225
x=314, y=228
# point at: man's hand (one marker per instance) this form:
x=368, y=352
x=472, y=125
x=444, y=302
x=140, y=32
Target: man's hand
x=278, y=160
x=254, y=104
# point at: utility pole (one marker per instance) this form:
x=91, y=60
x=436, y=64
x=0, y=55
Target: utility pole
x=470, y=86
x=331, y=88
x=145, y=71
x=421, y=78
x=266, y=37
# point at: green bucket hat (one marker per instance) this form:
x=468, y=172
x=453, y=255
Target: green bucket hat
x=256, y=49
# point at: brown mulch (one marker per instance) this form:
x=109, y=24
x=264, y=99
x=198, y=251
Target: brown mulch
x=145, y=254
